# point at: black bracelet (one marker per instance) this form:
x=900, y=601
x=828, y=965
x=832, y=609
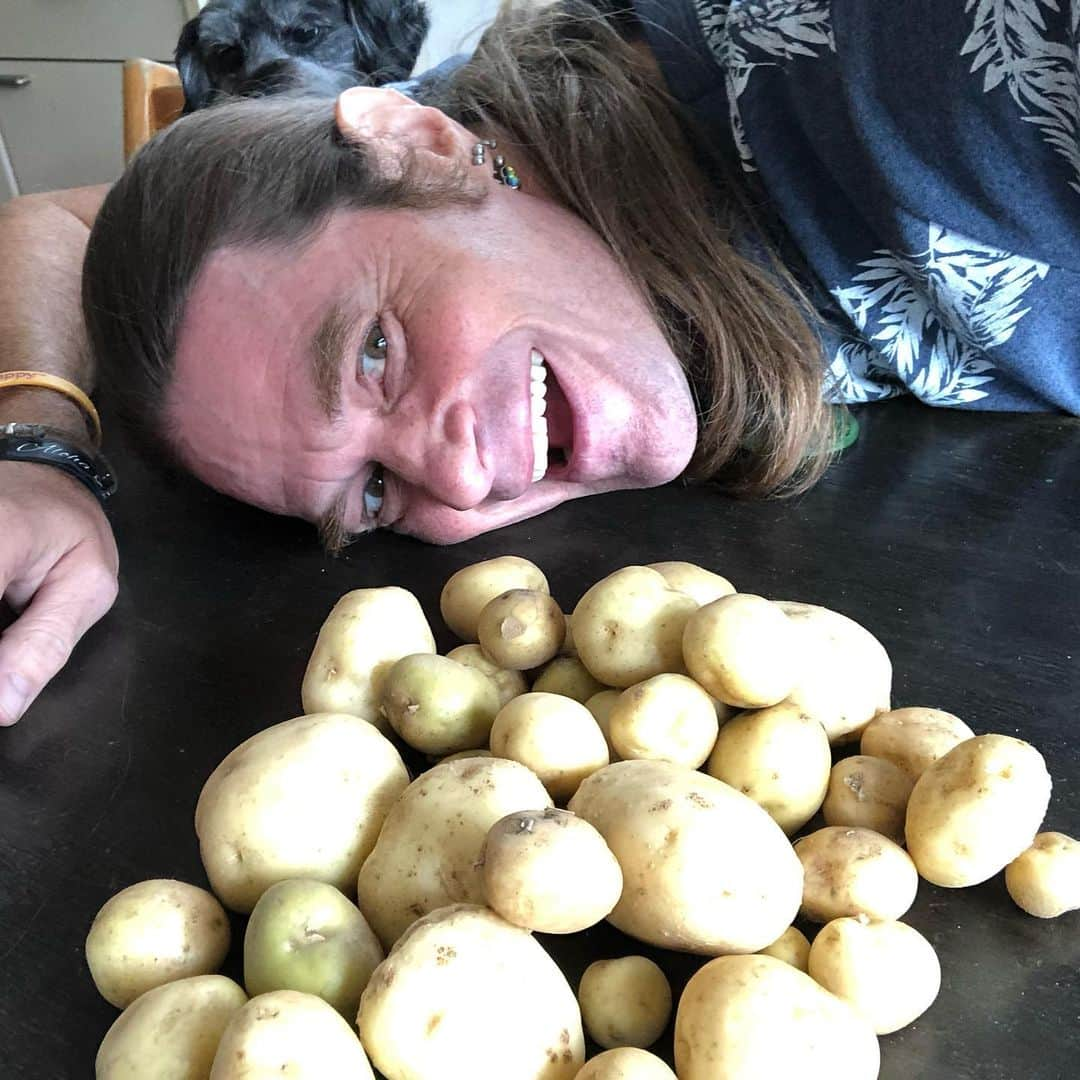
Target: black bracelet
x=32, y=442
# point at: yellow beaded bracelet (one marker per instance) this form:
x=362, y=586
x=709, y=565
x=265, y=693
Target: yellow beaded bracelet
x=9, y=380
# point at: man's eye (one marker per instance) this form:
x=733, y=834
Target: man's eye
x=303, y=35
x=373, y=354
x=374, y=493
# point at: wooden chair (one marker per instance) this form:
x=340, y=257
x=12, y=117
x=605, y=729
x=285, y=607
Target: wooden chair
x=153, y=99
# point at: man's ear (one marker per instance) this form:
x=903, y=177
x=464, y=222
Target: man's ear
x=370, y=112
x=189, y=62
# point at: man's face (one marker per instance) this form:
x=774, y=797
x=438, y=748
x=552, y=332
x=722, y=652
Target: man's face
x=386, y=372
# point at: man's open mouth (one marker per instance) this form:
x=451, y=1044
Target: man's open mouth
x=552, y=422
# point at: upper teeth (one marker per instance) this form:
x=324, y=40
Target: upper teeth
x=538, y=390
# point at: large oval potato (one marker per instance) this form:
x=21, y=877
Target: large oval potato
x=304, y=798
x=625, y=1002
x=364, y=635
x=705, y=869
x=701, y=584
x=428, y=853
x=913, y=738
x=869, y=792
x=472, y=588
x=976, y=809
x=665, y=718
x=1045, y=880
x=466, y=994
x=755, y=1017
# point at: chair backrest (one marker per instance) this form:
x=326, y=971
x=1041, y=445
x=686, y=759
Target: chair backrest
x=153, y=99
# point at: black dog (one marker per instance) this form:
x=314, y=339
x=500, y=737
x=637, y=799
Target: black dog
x=256, y=47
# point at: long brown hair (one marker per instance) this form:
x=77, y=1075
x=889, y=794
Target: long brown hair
x=562, y=86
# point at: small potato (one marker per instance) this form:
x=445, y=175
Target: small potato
x=914, y=738
x=625, y=1063
x=703, y=585
x=625, y=1002
x=629, y=627
x=780, y=758
x=976, y=809
x=568, y=676
x=508, y=683
x=665, y=718
x=437, y=705
x=555, y=737
x=1045, y=879
x=600, y=705
x=153, y=933
x=887, y=971
x=521, y=629
x=550, y=871
x=742, y=649
x=870, y=792
x=466, y=594
x=792, y=946
x=854, y=872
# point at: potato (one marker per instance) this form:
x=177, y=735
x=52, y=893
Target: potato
x=467, y=593
x=600, y=705
x=170, y=1032
x=625, y=1063
x=465, y=994
x=629, y=627
x=666, y=718
x=741, y=648
x=702, y=585
x=461, y=755
x=568, y=676
x=1045, y=879
x=780, y=758
x=846, y=674
x=437, y=705
x=854, y=872
x=705, y=869
x=625, y=1002
x=428, y=853
x=869, y=792
x=292, y=1035
x=550, y=871
x=521, y=629
x=913, y=739
x=304, y=798
x=887, y=971
x=976, y=809
x=364, y=635
x=757, y=1018
x=791, y=946
x=568, y=646
x=508, y=683
x=305, y=935
x=153, y=933
x=554, y=736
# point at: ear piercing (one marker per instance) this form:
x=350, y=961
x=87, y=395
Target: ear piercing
x=503, y=173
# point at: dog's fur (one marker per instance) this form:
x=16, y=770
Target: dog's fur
x=255, y=47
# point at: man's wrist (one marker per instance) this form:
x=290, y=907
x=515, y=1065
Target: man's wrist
x=36, y=405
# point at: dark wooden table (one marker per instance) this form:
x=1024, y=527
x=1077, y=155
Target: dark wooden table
x=953, y=537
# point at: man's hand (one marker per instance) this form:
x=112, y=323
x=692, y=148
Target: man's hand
x=58, y=567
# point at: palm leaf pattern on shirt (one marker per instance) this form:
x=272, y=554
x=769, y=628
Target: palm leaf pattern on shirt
x=1012, y=47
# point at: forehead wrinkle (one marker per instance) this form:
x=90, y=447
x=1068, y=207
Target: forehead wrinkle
x=325, y=352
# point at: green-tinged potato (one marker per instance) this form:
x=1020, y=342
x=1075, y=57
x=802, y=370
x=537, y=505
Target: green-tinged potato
x=466, y=994
x=869, y=792
x=600, y=705
x=568, y=676
x=705, y=869
x=629, y=627
x=792, y=946
x=304, y=798
x=976, y=809
x=550, y=871
x=1045, y=879
x=554, y=736
x=471, y=589
x=289, y=1034
x=665, y=718
x=437, y=705
x=365, y=634
x=703, y=585
x=171, y=1032
x=780, y=758
x=757, y=1018
x=625, y=1063
x=913, y=738
x=742, y=649
x=306, y=935
x=508, y=683
x=625, y=1002
x=153, y=933
x=845, y=673
x=854, y=872
x=428, y=853
x=521, y=629
x=886, y=971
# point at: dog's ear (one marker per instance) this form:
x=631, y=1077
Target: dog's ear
x=388, y=35
x=192, y=68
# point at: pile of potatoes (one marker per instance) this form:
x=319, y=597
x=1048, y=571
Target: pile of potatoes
x=645, y=760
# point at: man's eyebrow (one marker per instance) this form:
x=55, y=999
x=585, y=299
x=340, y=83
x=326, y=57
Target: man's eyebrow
x=325, y=352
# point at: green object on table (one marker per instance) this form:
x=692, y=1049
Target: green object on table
x=846, y=430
